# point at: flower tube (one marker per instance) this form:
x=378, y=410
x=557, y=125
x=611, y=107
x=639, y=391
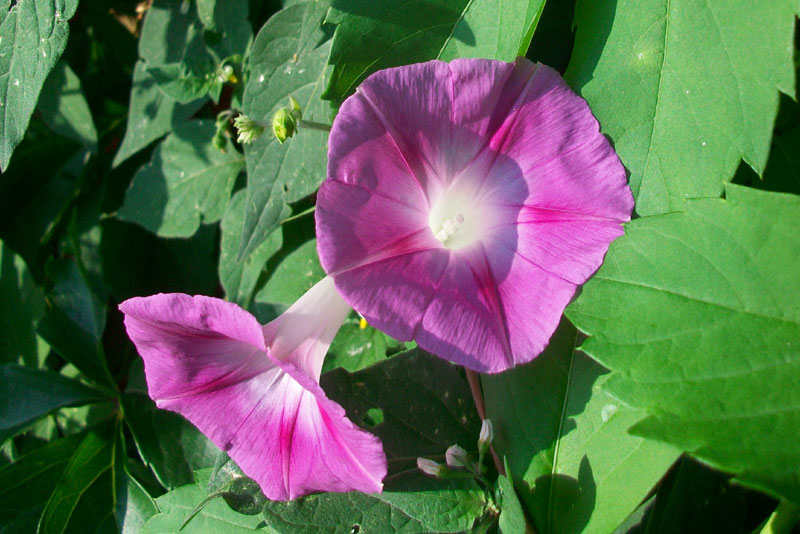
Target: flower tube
x=254, y=390
x=464, y=204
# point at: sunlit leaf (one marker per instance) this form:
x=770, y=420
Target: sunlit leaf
x=188, y=181
x=684, y=89
x=28, y=394
x=696, y=313
x=33, y=34
x=288, y=58
x=371, y=36
x=573, y=464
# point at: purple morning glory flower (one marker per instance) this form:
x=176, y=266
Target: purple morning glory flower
x=254, y=390
x=464, y=204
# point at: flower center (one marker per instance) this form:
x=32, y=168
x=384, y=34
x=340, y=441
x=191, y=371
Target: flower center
x=458, y=217
x=449, y=227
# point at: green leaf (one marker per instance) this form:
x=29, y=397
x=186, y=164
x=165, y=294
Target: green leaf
x=288, y=58
x=227, y=19
x=74, y=324
x=26, y=484
x=696, y=313
x=179, y=503
x=33, y=204
x=28, y=394
x=151, y=114
x=85, y=496
x=33, y=34
x=241, y=493
x=442, y=507
x=167, y=34
x=23, y=306
x=684, y=89
x=574, y=466
x=205, y=10
x=355, y=348
x=240, y=277
x=64, y=108
x=427, y=408
x=512, y=517
x=134, y=505
x=187, y=181
x=167, y=443
x=184, y=84
x=292, y=277
x=373, y=36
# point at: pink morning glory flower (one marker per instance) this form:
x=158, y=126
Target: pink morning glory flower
x=464, y=204
x=254, y=390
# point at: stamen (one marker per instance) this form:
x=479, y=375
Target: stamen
x=449, y=227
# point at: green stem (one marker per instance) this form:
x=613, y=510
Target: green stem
x=311, y=125
x=298, y=215
x=475, y=387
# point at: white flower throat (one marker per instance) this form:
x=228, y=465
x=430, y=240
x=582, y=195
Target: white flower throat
x=459, y=217
x=449, y=227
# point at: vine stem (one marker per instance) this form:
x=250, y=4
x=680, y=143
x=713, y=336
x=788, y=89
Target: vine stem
x=311, y=125
x=477, y=394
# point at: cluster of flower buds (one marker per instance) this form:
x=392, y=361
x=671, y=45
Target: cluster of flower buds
x=248, y=129
x=458, y=461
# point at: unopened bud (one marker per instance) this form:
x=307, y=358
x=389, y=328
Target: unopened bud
x=487, y=433
x=224, y=74
x=284, y=124
x=295, y=106
x=429, y=467
x=248, y=129
x=456, y=456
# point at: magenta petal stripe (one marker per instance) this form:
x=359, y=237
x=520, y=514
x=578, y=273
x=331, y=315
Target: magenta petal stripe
x=257, y=397
x=511, y=193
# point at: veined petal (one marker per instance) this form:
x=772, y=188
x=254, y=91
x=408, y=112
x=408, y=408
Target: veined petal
x=521, y=191
x=194, y=344
x=302, y=334
x=348, y=236
x=393, y=294
x=207, y=360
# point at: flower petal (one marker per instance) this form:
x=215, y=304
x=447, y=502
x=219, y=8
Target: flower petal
x=555, y=142
x=206, y=359
x=348, y=236
x=393, y=294
x=465, y=321
x=194, y=344
x=302, y=334
x=518, y=185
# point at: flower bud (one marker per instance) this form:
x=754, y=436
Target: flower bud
x=456, y=456
x=225, y=73
x=295, y=106
x=284, y=124
x=429, y=467
x=487, y=433
x=248, y=129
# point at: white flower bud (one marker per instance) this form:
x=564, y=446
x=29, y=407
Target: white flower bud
x=429, y=467
x=487, y=433
x=456, y=456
